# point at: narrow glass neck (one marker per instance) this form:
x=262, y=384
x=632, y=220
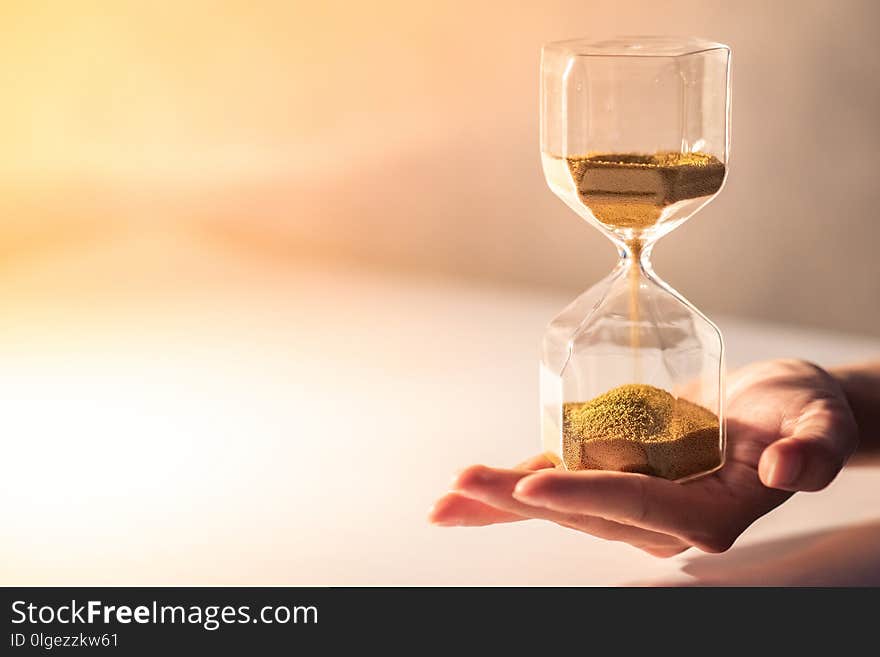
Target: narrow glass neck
x=635, y=252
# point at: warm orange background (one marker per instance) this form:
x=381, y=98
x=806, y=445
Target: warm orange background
x=404, y=134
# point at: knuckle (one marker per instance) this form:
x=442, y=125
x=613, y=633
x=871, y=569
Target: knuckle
x=715, y=538
x=715, y=544
x=817, y=484
x=823, y=466
x=799, y=365
x=833, y=460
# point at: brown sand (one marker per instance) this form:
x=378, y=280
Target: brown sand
x=628, y=190
x=640, y=428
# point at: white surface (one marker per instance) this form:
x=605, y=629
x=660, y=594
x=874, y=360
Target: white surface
x=178, y=416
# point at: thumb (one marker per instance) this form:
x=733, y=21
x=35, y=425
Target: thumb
x=823, y=437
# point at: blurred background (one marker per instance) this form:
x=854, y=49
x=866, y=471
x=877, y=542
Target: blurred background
x=403, y=135
x=271, y=271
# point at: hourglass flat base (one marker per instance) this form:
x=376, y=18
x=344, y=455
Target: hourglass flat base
x=556, y=460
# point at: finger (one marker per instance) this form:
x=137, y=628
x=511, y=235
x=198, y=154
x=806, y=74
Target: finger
x=685, y=511
x=822, y=439
x=539, y=462
x=455, y=510
x=495, y=487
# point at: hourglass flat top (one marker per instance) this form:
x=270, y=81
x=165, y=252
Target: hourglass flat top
x=638, y=46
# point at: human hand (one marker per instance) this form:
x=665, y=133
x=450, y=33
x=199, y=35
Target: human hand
x=789, y=428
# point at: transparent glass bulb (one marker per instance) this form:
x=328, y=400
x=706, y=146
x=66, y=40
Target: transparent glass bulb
x=634, y=138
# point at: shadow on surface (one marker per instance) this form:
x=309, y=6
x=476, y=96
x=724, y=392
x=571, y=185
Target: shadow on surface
x=846, y=556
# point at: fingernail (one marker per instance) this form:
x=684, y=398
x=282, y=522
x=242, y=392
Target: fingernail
x=522, y=493
x=786, y=469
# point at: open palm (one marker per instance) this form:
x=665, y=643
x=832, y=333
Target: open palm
x=789, y=428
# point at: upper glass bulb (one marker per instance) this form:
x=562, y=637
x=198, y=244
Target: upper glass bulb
x=634, y=132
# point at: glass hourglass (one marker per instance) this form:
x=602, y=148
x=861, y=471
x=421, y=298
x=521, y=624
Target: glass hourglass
x=634, y=139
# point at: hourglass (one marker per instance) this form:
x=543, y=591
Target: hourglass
x=634, y=139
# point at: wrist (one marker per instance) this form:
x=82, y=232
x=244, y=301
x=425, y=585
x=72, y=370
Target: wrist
x=860, y=385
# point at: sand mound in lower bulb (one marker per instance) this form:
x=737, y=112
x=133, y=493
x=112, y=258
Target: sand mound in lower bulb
x=640, y=428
